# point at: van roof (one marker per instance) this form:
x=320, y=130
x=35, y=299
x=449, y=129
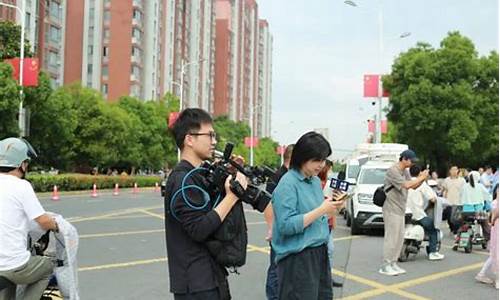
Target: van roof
x=377, y=164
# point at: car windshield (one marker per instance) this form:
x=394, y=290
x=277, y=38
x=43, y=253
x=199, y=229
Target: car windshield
x=372, y=176
x=352, y=171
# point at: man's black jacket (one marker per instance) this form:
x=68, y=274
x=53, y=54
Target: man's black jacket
x=191, y=267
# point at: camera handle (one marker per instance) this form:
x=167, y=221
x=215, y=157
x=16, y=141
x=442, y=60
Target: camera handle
x=236, y=188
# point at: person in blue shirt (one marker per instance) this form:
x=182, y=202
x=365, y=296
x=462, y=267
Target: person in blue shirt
x=300, y=227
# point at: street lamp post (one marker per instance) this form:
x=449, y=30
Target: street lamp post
x=184, y=65
x=21, y=11
x=378, y=119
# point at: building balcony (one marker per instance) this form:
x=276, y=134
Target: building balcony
x=136, y=59
x=134, y=77
x=137, y=4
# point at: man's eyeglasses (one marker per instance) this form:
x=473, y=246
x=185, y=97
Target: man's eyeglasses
x=211, y=134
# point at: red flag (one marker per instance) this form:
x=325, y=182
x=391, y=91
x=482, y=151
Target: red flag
x=371, y=126
x=172, y=118
x=280, y=150
x=251, y=142
x=371, y=85
x=30, y=70
x=383, y=126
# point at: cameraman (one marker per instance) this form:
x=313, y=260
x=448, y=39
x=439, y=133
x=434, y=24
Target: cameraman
x=194, y=274
x=18, y=206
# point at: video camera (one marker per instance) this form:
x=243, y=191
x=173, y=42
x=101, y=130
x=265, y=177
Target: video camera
x=224, y=165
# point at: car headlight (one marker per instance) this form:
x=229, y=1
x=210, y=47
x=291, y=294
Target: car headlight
x=365, y=198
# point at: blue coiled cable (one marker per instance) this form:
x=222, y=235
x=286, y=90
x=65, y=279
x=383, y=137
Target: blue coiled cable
x=206, y=196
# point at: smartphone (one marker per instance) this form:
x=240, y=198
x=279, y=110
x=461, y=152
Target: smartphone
x=340, y=185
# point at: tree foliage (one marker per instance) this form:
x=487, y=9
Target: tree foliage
x=444, y=103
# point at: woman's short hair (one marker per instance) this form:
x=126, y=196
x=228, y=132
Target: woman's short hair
x=310, y=146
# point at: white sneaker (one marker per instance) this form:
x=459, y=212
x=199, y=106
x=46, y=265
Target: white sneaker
x=387, y=269
x=436, y=256
x=484, y=279
x=398, y=269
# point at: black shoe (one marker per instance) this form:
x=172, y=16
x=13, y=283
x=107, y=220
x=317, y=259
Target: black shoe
x=337, y=284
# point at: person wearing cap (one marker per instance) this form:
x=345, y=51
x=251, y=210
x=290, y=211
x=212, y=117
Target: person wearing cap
x=18, y=206
x=396, y=184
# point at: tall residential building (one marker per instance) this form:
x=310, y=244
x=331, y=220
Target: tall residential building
x=190, y=51
x=264, y=103
x=116, y=46
x=45, y=29
x=243, y=64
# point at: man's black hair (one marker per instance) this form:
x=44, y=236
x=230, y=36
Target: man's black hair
x=6, y=169
x=415, y=170
x=189, y=121
x=310, y=146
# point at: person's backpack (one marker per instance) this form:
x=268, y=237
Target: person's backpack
x=380, y=195
x=228, y=245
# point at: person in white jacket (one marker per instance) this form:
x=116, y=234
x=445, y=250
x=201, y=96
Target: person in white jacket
x=18, y=206
x=418, y=200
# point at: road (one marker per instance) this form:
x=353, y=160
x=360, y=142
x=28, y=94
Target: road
x=122, y=256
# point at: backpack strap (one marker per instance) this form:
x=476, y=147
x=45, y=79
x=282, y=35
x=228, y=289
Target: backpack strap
x=389, y=189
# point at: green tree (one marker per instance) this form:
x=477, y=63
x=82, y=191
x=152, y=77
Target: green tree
x=444, y=102
x=53, y=121
x=9, y=103
x=10, y=47
x=230, y=131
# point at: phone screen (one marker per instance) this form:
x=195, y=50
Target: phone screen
x=338, y=184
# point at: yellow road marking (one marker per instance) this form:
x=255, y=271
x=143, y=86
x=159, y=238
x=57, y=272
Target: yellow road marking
x=397, y=288
x=152, y=214
x=112, y=214
x=123, y=265
x=86, y=236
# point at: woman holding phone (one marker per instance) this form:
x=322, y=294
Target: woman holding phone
x=300, y=231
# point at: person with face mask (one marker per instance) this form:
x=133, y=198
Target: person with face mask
x=18, y=207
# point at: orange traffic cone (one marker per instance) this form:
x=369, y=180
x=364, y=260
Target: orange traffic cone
x=94, y=191
x=116, y=192
x=136, y=189
x=55, y=194
x=157, y=187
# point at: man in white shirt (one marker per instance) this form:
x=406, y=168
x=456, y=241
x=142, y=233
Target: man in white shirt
x=418, y=200
x=18, y=206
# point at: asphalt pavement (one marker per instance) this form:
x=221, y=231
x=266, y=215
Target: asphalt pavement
x=122, y=255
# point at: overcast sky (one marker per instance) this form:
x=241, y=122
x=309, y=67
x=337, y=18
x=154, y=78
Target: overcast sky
x=322, y=48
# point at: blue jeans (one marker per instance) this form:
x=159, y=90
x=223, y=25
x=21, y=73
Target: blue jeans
x=272, y=277
x=431, y=231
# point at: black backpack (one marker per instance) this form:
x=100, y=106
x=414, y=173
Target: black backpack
x=228, y=245
x=380, y=195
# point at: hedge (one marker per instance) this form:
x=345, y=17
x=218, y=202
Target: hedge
x=76, y=182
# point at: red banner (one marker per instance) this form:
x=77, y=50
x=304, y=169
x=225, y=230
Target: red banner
x=30, y=70
x=172, y=118
x=251, y=142
x=370, y=86
x=383, y=126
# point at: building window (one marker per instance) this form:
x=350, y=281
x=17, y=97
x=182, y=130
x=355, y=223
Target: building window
x=90, y=50
x=137, y=15
x=55, y=10
x=104, y=89
x=107, y=16
x=52, y=58
x=136, y=71
x=105, y=71
x=55, y=34
x=105, y=51
x=106, y=33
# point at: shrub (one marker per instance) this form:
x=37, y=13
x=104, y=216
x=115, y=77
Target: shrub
x=76, y=182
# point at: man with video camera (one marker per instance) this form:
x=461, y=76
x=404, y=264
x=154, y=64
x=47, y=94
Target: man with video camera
x=192, y=216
